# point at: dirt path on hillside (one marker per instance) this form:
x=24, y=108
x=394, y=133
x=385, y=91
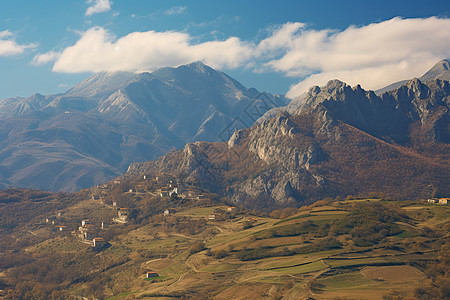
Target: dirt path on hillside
x=309, y=285
x=190, y=265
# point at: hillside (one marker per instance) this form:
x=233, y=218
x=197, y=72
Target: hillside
x=341, y=141
x=95, y=130
x=369, y=248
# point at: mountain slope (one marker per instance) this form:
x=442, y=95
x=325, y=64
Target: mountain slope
x=92, y=132
x=353, y=246
x=342, y=141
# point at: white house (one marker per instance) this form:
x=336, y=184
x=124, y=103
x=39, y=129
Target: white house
x=98, y=242
x=151, y=274
x=173, y=191
x=443, y=201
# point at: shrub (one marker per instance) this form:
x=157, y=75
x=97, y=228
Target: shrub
x=220, y=254
x=197, y=247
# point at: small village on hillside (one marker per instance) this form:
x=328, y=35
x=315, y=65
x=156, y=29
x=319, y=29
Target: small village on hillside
x=160, y=187
x=196, y=246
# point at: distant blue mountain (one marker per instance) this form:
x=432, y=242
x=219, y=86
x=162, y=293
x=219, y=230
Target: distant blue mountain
x=96, y=129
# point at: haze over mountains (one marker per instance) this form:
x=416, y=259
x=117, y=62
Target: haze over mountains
x=341, y=141
x=92, y=132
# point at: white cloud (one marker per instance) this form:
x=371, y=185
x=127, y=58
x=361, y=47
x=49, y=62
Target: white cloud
x=98, y=6
x=9, y=47
x=281, y=37
x=371, y=78
x=44, y=58
x=5, y=34
x=374, y=55
x=98, y=50
x=176, y=10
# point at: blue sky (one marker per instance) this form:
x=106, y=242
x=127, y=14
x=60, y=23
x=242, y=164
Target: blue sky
x=283, y=47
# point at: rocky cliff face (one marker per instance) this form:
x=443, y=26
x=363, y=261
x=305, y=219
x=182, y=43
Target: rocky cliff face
x=341, y=141
x=440, y=70
x=390, y=115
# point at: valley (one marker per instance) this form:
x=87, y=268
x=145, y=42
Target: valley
x=370, y=248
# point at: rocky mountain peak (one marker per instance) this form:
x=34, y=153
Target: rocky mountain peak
x=101, y=84
x=199, y=67
x=330, y=95
x=332, y=87
x=236, y=138
x=416, y=88
x=441, y=70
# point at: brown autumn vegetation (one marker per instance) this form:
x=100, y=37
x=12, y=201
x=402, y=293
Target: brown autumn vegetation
x=52, y=274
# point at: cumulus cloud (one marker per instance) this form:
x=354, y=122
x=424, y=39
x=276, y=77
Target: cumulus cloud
x=98, y=6
x=44, y=58
x=281, y=38
x=374, y=55
x=176, y=10
x=9, y=47
x=99, y=50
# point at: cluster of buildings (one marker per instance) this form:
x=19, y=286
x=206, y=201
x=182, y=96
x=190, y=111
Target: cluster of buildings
x=169, y=190
x=443, y=201
x=89, y=234
x=87, y=231
x=122, y=213
x=54, y=220
x=165, y=186
x=220, y=215
x=169, y=186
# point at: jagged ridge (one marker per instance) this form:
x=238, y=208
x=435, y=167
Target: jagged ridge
x=342, y=141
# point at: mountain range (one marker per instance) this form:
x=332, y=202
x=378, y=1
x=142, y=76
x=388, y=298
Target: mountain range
x=92, y=132
x=333, y=140
x=440, y=70
x=340, y=141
